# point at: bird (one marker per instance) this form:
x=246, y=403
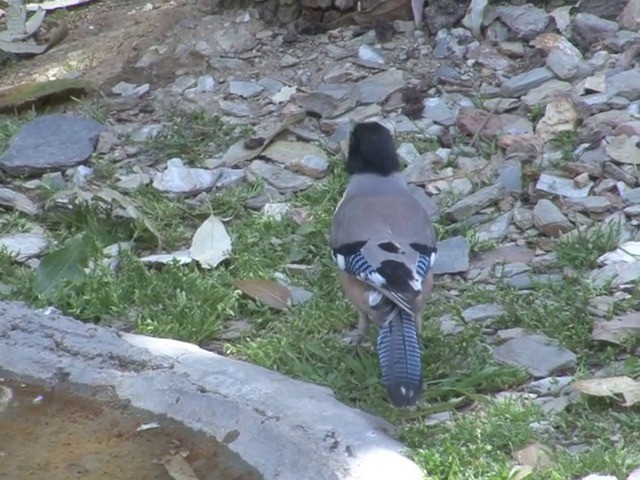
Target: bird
x=383, y=242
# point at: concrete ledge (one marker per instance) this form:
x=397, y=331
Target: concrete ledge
x=285, y=428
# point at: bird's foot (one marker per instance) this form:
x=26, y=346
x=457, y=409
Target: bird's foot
x=354, y=339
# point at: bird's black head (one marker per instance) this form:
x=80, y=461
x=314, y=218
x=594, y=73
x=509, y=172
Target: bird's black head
x=371, y=150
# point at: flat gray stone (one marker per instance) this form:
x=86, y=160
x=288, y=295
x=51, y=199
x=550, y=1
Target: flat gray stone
x=538, y=354
x=475, y=202
x=278, y=177
x=591, y=204
x=483, y=313
x=17, y=201
x=551, y=386
x=376, y=88
x=453, y=256
x=527, y=21
x=564, y=187
x=526, y=281
x=625, y=84
x=285, y=428
x=546, y=91
x=495, y=230
x=50, y=142
x=24, y=246
x=510, y=176
x=523, y=83
x=619, y=273
x=245, y=89
x=550, y=219
x=437, y=110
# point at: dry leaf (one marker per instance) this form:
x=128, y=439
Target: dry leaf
x=211, y=243
x=618, y=329
x=534, y=456
x=268, y=292
x=178, y=468
x=610, y=387
x=238, y=153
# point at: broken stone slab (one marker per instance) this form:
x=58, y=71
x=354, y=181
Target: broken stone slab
x=526, y=281
x=17, y=201
x=483, y=313
x=538, y=354
x=591, y=204
x=495, y=230
x=475, y=202
x=625, y=84
x=564, y=187
x=50, y=142
x=245, y=89
x=527, y=21
x=325, y=103
x=453, y=256
x=278, y=177
x=285, y=428
x=551, y=386
x=619, y=273
x=376, y=88
x=550, y=219
x=523, y=83
x=24, y=246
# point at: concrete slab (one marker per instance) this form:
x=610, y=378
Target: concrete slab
x=285, y=428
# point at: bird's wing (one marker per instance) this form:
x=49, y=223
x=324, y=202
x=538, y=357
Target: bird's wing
x=387, y=242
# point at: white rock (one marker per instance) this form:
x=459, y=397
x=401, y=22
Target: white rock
x=180, y=179
x=24, y=246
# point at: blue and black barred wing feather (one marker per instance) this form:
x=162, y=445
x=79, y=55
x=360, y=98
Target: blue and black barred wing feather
x=397, y=273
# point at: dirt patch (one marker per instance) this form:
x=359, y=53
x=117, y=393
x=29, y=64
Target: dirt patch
x=105, y=39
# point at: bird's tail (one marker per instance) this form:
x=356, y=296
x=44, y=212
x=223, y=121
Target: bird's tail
x=400, y=358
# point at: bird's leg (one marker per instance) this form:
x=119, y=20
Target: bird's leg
x=357, y=336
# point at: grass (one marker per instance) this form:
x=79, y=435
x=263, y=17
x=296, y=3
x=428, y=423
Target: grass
x=187, y=303
x=194, y=136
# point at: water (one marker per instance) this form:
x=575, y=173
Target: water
x=53, y=435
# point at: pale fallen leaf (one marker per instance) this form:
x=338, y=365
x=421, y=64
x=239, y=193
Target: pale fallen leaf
x=618, y=329
x=178, y=468
x=610, y=387
x=534, y=456
x=268, y=292
x=181, y=256
x=147, y=426
x=211, y=243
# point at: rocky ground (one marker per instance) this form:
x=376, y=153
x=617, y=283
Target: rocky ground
x=193, y=200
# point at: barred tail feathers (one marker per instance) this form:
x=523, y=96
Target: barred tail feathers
x=400, y=359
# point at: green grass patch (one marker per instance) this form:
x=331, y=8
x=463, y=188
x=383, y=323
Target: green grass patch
x=188, y=303
x=195, y=136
